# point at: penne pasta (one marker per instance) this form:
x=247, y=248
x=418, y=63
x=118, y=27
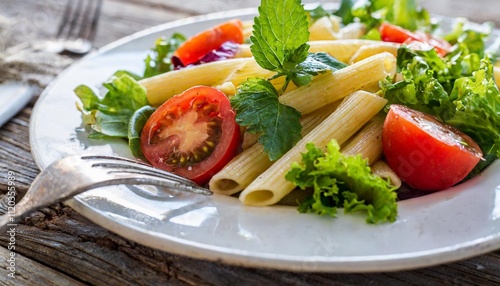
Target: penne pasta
x=325, y=28
x=249, y=164
x=330, y=28
x=162, y=87
x=381, y=169
x=368, y=142
x=271, y=186
x=332, y=87
x=342, y=50
x=496, y=75
x=376, y=48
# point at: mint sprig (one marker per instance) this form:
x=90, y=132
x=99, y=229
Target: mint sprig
x=258, y=108
x=279, y=43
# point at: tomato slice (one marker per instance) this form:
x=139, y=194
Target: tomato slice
x=192, y=50
x=396, y=34
x=193, y=134
x=425, y=153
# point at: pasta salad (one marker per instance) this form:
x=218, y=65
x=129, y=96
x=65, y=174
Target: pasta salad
x=316, y=108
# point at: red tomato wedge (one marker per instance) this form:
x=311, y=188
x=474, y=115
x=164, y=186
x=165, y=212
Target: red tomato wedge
x=425, y=153
x=193, y=49
x=396, y=34
x=193, y=134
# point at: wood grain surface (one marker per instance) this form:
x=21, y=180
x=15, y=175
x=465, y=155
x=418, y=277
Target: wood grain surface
x=57, y=246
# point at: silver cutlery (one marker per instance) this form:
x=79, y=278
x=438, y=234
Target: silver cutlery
x=73, y=175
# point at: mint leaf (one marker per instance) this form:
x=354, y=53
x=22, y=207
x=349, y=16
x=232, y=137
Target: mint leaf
x=315, y=64
x=342, y=181
x=257, y=107
x=280, y=35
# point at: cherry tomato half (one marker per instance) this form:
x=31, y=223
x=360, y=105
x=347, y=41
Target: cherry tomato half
x=201, y=44
x=425, y=153
x=193, y=134
x=396, y=34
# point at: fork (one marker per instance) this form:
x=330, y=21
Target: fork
x=77, y=28
x=73, y=175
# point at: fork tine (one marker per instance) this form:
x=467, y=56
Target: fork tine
x=90, y=19
x=95, y=20
x=140, y=178
x=67, y=10
x=120, y=162
x=75, y=18
x=123, y=165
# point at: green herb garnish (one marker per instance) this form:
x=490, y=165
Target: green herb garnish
x=279, y=44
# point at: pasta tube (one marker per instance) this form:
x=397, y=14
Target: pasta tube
x=329, y=28
x=381, y=169
x=250, y=163
x=368, y=142
x=376, y=48
x=496, y=75
x=271, y=186
x=162, y=87
x=342, y=50
x=329, y=88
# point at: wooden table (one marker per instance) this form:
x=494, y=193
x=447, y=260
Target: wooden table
x=57, y=246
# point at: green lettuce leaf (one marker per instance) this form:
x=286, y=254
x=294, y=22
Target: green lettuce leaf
x=340, y=181
x=110, y=115
x=159, y=60
x=459, y=89
x=477, y=108
x=135, y=125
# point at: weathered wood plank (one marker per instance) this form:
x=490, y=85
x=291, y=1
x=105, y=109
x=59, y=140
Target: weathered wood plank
x=18, y=270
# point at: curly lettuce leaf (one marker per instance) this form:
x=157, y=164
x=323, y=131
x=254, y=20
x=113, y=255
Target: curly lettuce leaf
x=459, y=89
x=477, y=108
x=342, y=181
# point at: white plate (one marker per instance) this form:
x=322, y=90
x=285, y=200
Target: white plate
x=450, y=225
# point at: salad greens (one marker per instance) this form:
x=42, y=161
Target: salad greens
x=135, y=126
x=342, y=181
x=458, y=89
x=160, y=59
x=404, y=13
x=275, y=48
x=110, y=115
x=124, y=109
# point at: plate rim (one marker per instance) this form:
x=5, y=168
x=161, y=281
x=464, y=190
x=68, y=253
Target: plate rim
x=245, y=258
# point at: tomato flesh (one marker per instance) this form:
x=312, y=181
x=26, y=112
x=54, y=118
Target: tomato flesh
x=193, y=134
x=396, y=34
x=196, y=47
x=425, y=153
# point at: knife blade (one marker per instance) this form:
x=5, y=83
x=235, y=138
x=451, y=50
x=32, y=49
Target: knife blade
x=13, y=97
